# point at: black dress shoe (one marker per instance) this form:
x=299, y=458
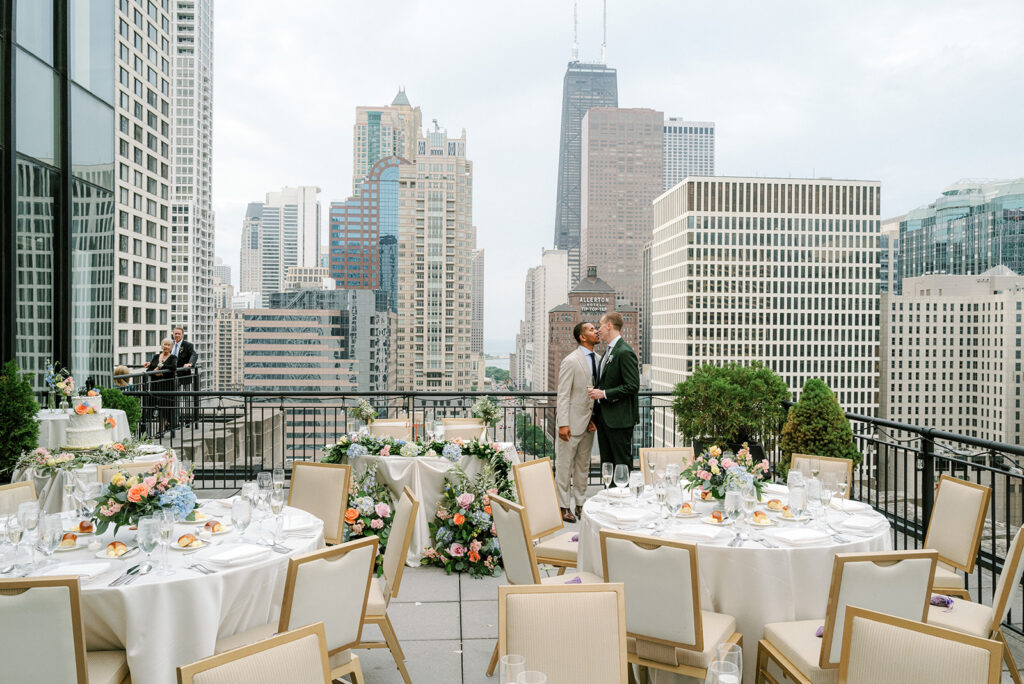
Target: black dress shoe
x=567, y=516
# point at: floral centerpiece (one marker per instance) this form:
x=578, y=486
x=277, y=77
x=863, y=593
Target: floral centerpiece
x=463, y=538
x=363, y=411
x=348, y=447
x=487, y=411
x=126, y=499
x=715, y=471
x=370, y=512
x=44, y=462
x=58, y=380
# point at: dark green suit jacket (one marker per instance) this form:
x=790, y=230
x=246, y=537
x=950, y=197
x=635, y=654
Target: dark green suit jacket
x=620, y=380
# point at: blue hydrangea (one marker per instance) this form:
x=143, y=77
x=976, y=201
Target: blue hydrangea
x=444, y=536
x=739, y=476
x=452, y=451
x=357, y=450
x=491, y=545
x=365, y=505
x=479, y=518
x=180, y=499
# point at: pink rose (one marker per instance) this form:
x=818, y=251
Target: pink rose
x=386, y=451
x=376, y=523
x=150, y=482
x=457, y=550
x=116, y=507
x=475, y=545
x=464, y=500
x=442, y=515
x=382, y=509
x=459, y=441
x=492, y=490
x=496, y=446
x=704, y=475
x=357, y=528
x=712, y=461
x=42, y=451
x=728, y=463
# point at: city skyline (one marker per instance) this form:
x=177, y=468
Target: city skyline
x=875, y=101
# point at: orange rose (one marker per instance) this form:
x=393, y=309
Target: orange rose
x=93, y=393
x=118, y=446
x=474, y=557
x=351, y=515
x=459, y=519
x=137, y=492
x=487, y=510
x=81, y=409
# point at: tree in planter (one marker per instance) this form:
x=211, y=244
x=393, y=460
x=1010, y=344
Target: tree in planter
x=114, y=398
x=731, y=404
x=18, y=409
x=817, y=425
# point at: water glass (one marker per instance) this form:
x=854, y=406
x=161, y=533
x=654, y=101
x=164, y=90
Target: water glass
x=797, y=492
x=636, y=484
x=241, y=514
x=148, y=535
x=733, y=505
x=749, y=496
x=250, y=492
x=722, y=672
x=606, y=474
x=673, y=499
x=828, y=488
x=264, y=480
x=672, y=472
x=28, y=516
x=165, y=530
x=512, y=665
x=51, y=530
x=532, y=677
x=730, y=653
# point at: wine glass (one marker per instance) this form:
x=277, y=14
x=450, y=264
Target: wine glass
x=672, y=472
x=241, y=515
x=428, y=429
x=51, y=530
x=512, y=665
x=652, y=463
x=277, y=507
x=620, y=478
x=15, y=533
x=815, y=465
x=722, y=672
x=636, y=484
x=165, y=531
x=730, y=653
x=148, y=535
x=828, y=489
x=606, y=474
x=278, y=478
x=660, y=491
x=250, y=492
x=842, y=484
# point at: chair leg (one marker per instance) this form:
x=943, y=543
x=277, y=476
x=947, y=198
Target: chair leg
x=494, y=661
x=396, y=649
x=561, y=570
x=1008, y=659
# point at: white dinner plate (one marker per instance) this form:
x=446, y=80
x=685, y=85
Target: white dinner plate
x=767, y=523
x=691, y=514
x=102, y=554
x=72, y=530
x=65, y=549
x=711, y=521
x=202, y=544
x=201, y=519
x=799, y=519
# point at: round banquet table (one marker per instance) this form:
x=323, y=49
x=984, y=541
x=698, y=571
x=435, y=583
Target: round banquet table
x=166, y=621
x=755, y=584
x=425, y=476
x=53, y=426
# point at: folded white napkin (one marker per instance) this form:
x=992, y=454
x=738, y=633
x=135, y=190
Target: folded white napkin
x=848, y=506
x=298, y=523
x=85, y=569
x=863, y=523
x=625, y=515
x=695, y=532
x=238, y=554
x=774, y=488
x=618, y=492
x=801, y=536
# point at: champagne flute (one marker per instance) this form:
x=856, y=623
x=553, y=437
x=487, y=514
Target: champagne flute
x=51, y=530
x=660, y=492
x=15, y=533
x=652, y=463
x=165, y=532
x=28, y=516
x=278, y=478
x=277, y=507
x=606, y=474
x=842, y=483
x=815, y=466
x=241, y=515
x=148, y=535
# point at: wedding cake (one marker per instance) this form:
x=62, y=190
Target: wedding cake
x=87, y=427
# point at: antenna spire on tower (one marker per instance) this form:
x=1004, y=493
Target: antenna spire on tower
x=604, y=31
x=575, y=31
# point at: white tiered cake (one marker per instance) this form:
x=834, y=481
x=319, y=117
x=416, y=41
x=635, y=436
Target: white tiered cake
x=88, y=430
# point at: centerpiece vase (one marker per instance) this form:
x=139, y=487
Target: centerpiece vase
x=64, y=406
x=51, y=402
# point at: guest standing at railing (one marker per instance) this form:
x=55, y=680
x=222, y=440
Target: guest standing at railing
x=185, y=351
x=616, y=402
x=118, y=372
x=576, y=375
x=163, y=366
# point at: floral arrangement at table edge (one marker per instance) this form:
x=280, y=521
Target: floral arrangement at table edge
x=361, y=446
x=45, y=463
x=56, y=379
x=126, y=499
x=463, y=538
x=487, y=411
x=489, y=452
x=363, y=411
x=370, y=512
x=714, y=471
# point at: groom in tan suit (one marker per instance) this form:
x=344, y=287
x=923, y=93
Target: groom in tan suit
x=576, y=375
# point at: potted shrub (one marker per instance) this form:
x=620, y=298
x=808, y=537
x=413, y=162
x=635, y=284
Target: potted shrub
x=114, y=398
x=817, y=425
x=731, y=404
x=18, y=409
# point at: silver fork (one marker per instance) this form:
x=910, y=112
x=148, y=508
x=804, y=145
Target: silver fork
x=199, y=567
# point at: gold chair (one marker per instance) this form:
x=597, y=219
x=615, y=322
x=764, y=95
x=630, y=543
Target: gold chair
x=593, y=651
x=986, y=621
x=954, y=530
x=322, y=490
x=535, y=488
x=662, y=456
x=881, y=648
x=42, y=638
x=386, y=588
x=463, y=428
x=11, y=495
x=894, y=581
x=665, y=626
x=296, y=657
x=842, y=467
x=105, y=473
x=398, y=429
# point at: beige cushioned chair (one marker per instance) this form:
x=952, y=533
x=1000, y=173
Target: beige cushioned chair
x=463, y=428
x=398, y=429
x=322, y=489
x=954, y=530
x=894, y=581
x=842, y=467
x=42, y=638
x=535, y=488
x=593, y=651
x=662, y=456
x=296, y=657
x=984, y=621
x=12, y=495
x=665, y=626
x=105, y=473
x=880, y=648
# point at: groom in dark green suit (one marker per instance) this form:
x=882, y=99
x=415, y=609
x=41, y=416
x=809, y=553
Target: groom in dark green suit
x=616, y=407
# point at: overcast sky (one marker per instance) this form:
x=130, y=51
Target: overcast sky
x=914, y=94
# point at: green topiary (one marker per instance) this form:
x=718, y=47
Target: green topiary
x=113, y=398
x=817, y=425
x=18, y=409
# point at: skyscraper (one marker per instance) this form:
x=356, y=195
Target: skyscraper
x=282, y=232
x=584, y=87
x=250, y=267
x=477, y=335
x=689, y=150
x=192, y=231
x=221, y=270
x=381, y=132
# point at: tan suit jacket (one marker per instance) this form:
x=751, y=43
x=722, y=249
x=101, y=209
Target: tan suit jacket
x=575, y=408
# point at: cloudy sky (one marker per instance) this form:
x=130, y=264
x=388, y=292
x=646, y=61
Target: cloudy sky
x=915, y=94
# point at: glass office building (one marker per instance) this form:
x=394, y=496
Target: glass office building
x=56, y=195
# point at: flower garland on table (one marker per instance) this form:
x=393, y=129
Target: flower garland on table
x=44, y=462
x=366, y=445
x=463, y=538
x=370, y=512
x=714, y=471
x=126, y=499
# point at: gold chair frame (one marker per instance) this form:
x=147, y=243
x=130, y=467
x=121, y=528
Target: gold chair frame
x=344, y=495
x=975, y=541
x=845, y=462
x=559, y=563
x=187, y=673
x=687, y=453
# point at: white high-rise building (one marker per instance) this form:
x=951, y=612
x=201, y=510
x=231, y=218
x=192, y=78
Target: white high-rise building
x=192, y=231
x=142, y=297
x=381, y=132
x=782, y=271
x=550, y=288
x=689, y=150
x=477, y=342
x=221, y=270
x=277, y=234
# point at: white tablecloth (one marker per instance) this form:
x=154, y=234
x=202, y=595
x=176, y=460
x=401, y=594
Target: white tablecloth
x=164, y=622
x=424, y=475
x=754, y=584
x=53, y=425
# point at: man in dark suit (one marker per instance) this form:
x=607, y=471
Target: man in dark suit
x=187, y=357
x=616, y=407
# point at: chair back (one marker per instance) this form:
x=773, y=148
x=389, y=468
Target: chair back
x=399, y=429
x=513, y=530
x=958, y=518
x=843, y=467
x=594, y=651
x=463, y=428
x=311, y=591
x=662, y=456
x=41, y=636
x=12, y=495
x=296, y=657
x=662, y=587
x=535, y=488
x=322, y=489
x=105, y=473
x=897, y=582
x=1009, y=581
x=883, y=648
x=398, y=543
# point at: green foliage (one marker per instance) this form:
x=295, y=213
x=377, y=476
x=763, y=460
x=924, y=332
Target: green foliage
x=497, y=374
x=18, y=409
x=114, y=398
x=731, y=404
x=817, y=425
x=531, y=439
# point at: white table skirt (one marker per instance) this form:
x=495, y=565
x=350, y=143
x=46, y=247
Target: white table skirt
x=754, y=584
x=424, y=475
x=53, y=427
x=165, y=622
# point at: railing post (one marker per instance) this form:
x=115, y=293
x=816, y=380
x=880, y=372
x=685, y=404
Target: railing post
x=927, y=477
